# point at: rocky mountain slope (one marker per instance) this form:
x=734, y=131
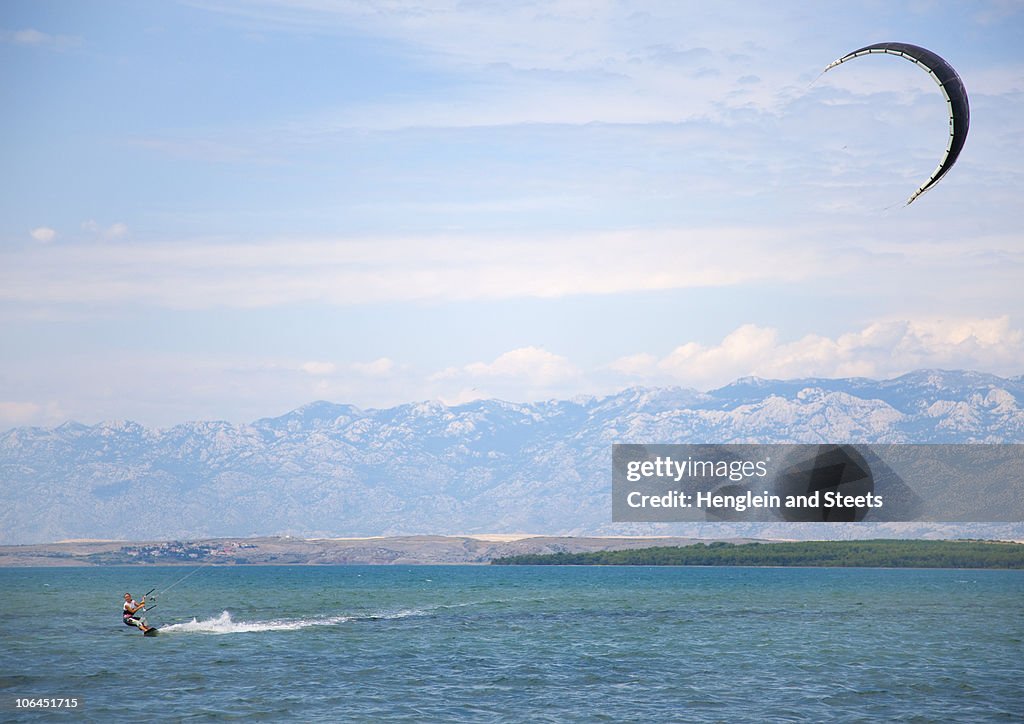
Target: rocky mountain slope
x=488, y=466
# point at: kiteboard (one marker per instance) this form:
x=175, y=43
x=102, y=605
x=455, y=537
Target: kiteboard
x=151, y=632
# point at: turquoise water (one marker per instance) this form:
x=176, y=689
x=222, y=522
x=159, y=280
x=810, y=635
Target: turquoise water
x=462, y=643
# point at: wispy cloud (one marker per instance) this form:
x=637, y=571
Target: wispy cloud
x=201, y=274
x=31, y=37
x=198, y=274
x=560, y=62
x=117, y=230
x=14, y=414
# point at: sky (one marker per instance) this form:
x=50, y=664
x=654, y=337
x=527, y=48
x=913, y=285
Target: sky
x=225, y=210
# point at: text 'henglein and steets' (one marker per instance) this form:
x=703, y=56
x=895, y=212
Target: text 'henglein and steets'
x=667, y=468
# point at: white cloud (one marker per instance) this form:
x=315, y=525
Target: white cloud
x=381, y=367
x=43, y=234
x=882, y=349
x=318, y=368
x=532, y=365
x=638, y=365
x=526, y=373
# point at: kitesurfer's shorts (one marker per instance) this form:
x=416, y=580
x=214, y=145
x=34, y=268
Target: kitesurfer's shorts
x=137, y=622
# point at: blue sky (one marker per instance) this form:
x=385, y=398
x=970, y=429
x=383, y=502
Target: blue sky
x=225, y=210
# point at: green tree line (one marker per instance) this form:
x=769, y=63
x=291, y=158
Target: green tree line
x=859, y=553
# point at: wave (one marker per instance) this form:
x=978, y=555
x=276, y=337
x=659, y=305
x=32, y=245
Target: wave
x=224, y=624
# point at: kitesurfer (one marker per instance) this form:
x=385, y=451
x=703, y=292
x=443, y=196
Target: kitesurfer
x=130, y=609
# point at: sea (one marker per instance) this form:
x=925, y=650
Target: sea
x=516, y=644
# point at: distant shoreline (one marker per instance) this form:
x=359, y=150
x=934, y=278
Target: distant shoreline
x=476, y=548
x=878, y=553
x=509, y=548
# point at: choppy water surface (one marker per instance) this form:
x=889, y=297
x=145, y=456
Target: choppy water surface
x=459, y=643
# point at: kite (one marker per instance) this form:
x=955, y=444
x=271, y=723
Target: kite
x=952, y=87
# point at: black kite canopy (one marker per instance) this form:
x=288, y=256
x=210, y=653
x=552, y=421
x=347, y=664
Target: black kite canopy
x=952, y=87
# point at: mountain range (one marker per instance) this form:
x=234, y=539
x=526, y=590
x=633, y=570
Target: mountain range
x=333, y=470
